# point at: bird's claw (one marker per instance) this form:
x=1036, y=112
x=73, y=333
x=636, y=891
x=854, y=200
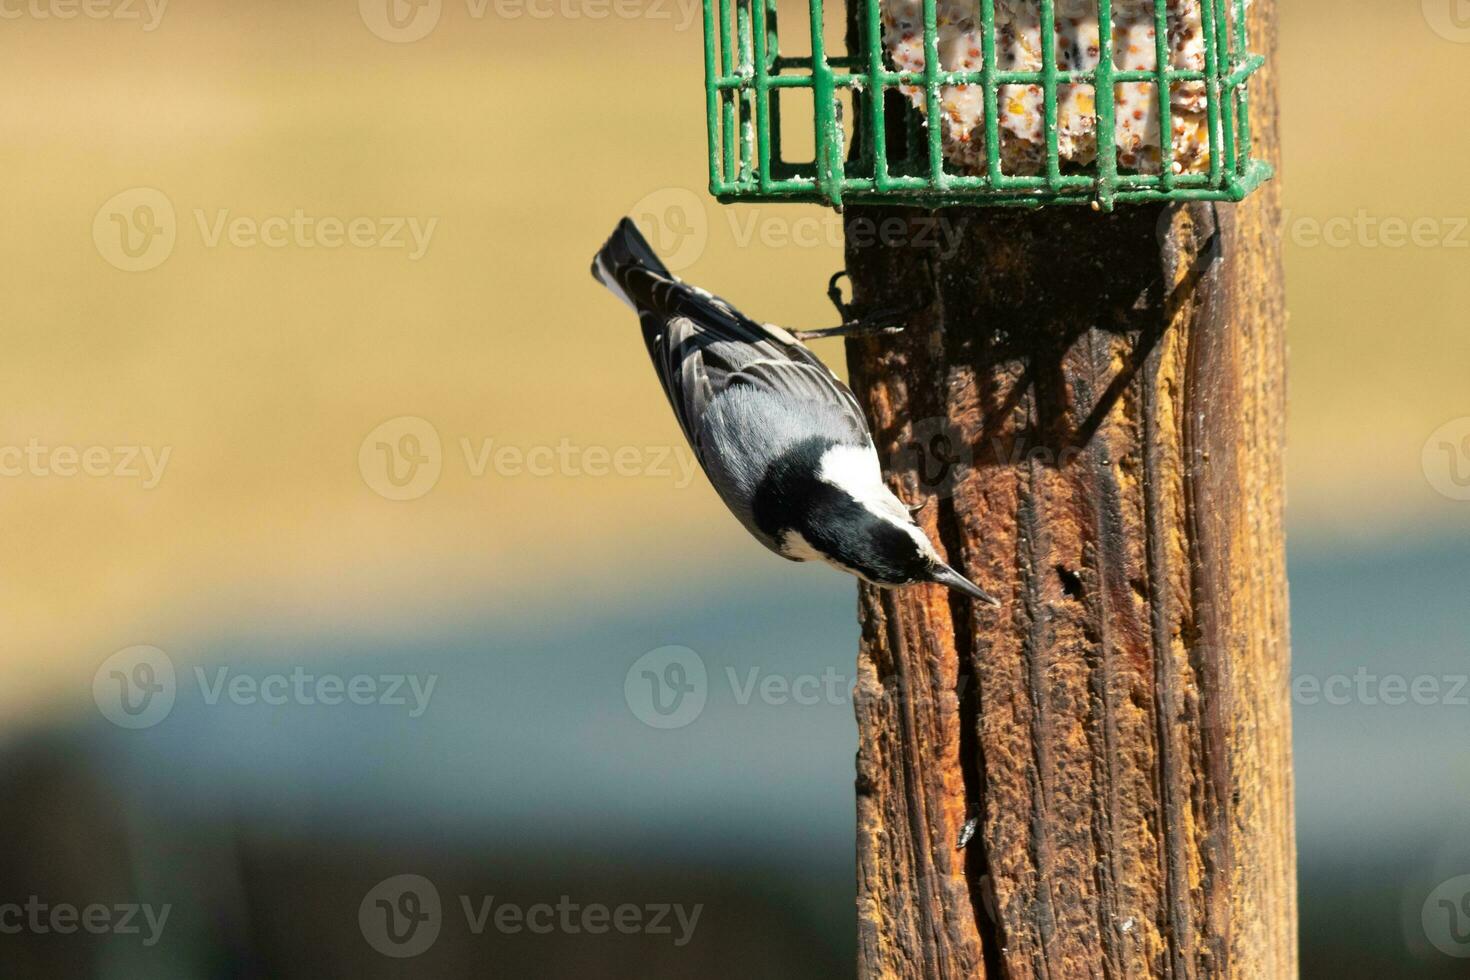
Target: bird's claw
x=834, y=293
x=868, y=325
x=872, y=325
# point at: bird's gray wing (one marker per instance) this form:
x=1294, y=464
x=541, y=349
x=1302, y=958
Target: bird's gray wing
x=703, y=347
x=684, y=379
x=799, y=383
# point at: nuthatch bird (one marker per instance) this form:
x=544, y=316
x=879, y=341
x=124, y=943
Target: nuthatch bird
x=782, y=440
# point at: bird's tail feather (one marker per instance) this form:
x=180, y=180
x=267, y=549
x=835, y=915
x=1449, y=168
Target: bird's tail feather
x=628, y=246
x=625, y=258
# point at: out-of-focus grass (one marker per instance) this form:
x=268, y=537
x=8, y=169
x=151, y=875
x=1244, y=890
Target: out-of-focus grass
x=264, y=368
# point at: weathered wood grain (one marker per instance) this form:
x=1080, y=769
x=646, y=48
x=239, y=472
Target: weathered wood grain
x=1091, y=409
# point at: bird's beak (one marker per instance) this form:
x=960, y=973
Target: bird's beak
x=945, y=575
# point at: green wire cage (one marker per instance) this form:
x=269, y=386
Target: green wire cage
x=1176, y=67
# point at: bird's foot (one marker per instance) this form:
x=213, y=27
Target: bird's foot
x=871, y=325
x=852, y=325
x=879, y=322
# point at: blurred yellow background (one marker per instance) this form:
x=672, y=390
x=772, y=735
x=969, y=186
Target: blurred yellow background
x=522, y=137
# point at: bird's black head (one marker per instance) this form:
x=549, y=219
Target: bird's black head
x=793, y=500
x=852, y=536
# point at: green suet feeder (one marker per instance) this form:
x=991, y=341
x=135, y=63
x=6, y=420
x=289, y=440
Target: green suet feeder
x=1179, y=68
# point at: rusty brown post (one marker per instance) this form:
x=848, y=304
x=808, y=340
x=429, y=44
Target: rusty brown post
x=1099, y=445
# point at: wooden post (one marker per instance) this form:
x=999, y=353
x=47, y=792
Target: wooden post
x=1091, y=410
